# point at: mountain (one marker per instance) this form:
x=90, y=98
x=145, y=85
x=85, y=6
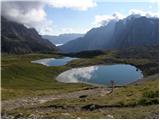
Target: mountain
x=136, y=31
x=95, y=39
x=16, y=38
x=62, y=38
x=133, y=31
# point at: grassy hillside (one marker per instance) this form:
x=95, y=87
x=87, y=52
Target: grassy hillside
x=139, y=100
x=144, y=58
x=22, y=78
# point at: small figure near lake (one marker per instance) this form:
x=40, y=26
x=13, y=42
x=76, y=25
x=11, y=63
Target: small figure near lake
x=106, y=91
x=112, y=85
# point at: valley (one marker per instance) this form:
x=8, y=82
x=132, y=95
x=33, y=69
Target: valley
x=79, y=60
x=41, y=92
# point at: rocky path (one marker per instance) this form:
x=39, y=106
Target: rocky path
x=33, y=101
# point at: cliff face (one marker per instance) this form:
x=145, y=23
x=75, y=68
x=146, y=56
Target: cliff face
x=16, y=38
x=136, y=32
x=129, y=32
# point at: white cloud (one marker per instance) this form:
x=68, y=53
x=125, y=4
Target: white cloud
x=101, y=20
x=29, y=13
x=46, y=27
x=32, y=13
x=77, y=75
x=23, y=12
x=104, y=19
x=142, y=13
x=73, y=4
x=44, y=61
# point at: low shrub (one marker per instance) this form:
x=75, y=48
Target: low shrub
x=151, y=94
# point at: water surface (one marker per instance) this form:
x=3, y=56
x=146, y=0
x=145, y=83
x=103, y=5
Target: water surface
x=54, y=61
x=121, y=74
x=58, y=44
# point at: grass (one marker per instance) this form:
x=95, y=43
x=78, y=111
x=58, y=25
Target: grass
x=125, y=102
x=148, y=63
x=140, y=112
x=21, y=78
x=126, y=95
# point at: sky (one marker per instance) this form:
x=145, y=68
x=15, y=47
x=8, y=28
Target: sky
x=54, y=17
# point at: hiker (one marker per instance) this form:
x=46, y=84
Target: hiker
x=112, y=84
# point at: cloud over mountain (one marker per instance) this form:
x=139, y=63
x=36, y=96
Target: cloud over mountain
x=33, y=14
x=142, y=13
x=104, y=19
x=29, y=13
x=101, y=20
x=24, y=12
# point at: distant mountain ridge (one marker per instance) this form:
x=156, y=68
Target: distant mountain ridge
x=62, y=38
x=16, y=38
x=141, y=31
x=129, y=32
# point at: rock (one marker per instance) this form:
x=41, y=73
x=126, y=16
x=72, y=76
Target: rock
x=11, y=117
x=66, y=114
x=33, y=116
x=110, y=116
x=83, y=96
x=20, y=115
x=42, y=101
x=91, y=107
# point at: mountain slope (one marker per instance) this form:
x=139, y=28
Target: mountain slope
x=16, y=38
x=135, y=32
x=94, y=39
x=62, y=38
x=130, y=32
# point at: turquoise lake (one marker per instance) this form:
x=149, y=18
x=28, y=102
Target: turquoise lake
x=54, y=61
x=121, y=74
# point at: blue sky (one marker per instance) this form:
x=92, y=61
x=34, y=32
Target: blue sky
x=54, y=17
x=71, y=20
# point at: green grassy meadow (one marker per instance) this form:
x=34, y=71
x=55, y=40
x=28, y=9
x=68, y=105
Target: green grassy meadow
x=20, y=78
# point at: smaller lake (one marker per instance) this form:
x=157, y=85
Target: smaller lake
x=121, y=74
x=58, y=44
x=54, y=61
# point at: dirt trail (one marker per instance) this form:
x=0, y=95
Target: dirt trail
x=33, y=101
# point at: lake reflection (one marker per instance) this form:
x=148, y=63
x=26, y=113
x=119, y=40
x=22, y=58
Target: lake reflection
x=121, y=74
x=54, y=61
